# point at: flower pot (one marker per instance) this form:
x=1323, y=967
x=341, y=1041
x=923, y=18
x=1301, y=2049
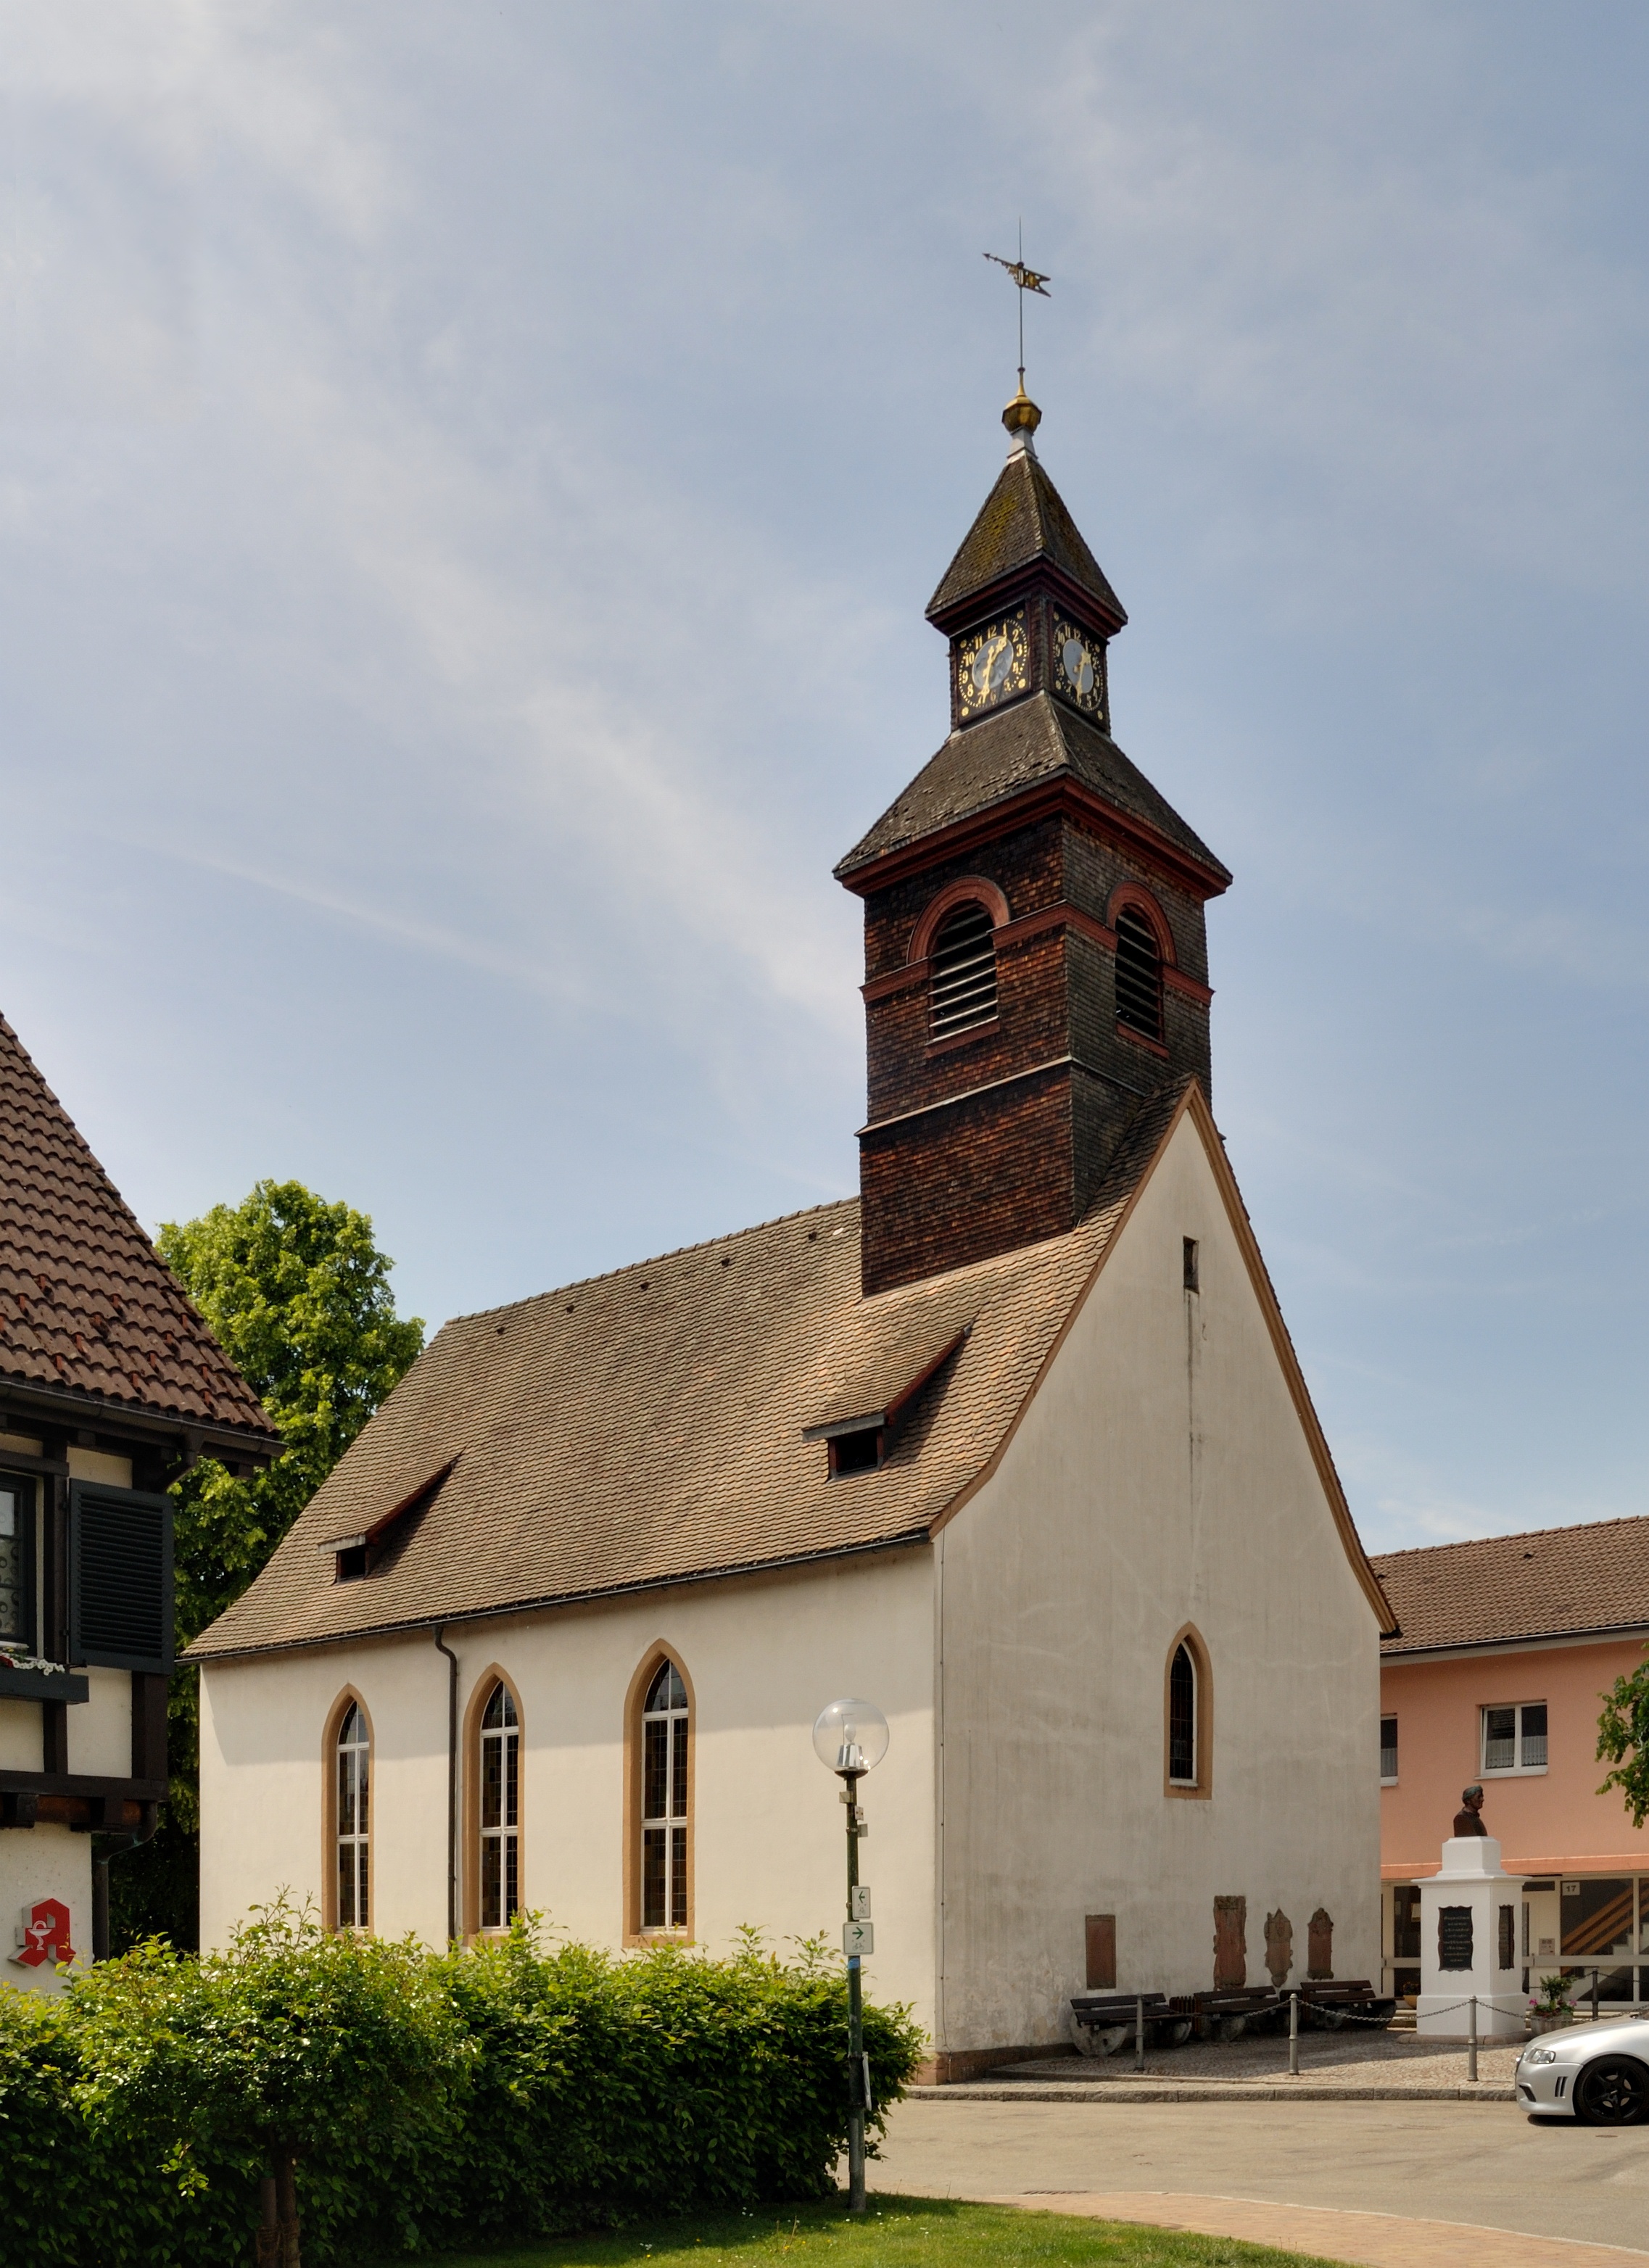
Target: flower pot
x=1549, y=2019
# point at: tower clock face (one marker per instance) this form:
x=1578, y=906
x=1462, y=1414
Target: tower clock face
x=1080, y=668
x=991, y=665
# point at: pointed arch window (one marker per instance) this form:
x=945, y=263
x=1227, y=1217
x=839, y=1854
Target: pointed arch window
x=665, y=1822
x=500, y=1809
x=1188, y=1708
x=963, y=985
x=1138, y=975
x=1182, y=1718
x=353, y=1768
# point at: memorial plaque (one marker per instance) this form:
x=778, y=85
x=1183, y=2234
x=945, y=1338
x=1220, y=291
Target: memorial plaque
x=1453, y=1937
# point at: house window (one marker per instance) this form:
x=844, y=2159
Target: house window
x=1183, y=1720
x=664, y=1810
x=1387, y=1750
x=500, y=1810
x=16, y=1570
x=354, y=1760
x=963, y=987
x=1189, y=1257
x=1138, y=975
x=1514, y=1738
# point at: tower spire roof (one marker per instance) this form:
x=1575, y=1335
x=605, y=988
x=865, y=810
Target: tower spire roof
x=1022, y=525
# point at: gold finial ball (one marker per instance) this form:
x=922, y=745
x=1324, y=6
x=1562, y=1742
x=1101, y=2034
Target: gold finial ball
x=1022, y=414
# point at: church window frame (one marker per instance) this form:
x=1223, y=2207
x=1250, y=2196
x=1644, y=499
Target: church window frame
x=504, y=1745
x=1187, y=1714
x=348, y=1772
x=661, y=1770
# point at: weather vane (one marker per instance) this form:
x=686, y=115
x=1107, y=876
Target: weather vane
x=1027, y=280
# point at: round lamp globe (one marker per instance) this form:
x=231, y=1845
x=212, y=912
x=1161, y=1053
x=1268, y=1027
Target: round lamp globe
x=850, y=1737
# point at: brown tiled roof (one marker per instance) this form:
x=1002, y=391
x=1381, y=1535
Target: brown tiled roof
x=1023, y=520
x=1551, y=1582
x=647, y=1427
x=86, y=1303
x=1036, y=741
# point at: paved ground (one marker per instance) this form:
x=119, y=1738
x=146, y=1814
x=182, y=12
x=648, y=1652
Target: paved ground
x=1431, y=2179
x=1359, y=2064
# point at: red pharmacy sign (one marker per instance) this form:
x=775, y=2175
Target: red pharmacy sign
x=45, y=1934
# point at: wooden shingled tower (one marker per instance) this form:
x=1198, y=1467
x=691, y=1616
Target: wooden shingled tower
x=1035, y=955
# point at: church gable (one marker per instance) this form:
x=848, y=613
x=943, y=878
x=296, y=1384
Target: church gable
x=1151, y=1276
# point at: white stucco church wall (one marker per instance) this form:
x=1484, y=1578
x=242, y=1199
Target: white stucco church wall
x=1161, y=1476
x=762, y=1657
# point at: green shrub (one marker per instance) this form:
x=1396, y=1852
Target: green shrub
x=429, y=2098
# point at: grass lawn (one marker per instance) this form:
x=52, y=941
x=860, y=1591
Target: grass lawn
x=897, y=2233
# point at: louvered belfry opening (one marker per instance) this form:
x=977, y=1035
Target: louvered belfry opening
x=1138, y=975
x=964, y=980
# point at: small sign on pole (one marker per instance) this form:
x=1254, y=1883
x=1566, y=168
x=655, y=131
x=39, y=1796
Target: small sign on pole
x=858, y=1937
x=859, y=1902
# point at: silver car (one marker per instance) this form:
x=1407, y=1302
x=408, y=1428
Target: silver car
x=1598, y=2073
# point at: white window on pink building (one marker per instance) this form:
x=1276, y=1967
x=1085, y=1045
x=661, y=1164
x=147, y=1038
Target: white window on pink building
x=1514, y=1738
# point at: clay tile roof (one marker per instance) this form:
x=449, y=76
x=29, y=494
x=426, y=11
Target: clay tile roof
x=86, y=1303
x=647, y=1427
x=1036, y=741
x=1552, y=1582
x=1023, y=521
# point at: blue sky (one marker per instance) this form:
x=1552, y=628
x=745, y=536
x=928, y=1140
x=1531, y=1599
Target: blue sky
x=470, y=475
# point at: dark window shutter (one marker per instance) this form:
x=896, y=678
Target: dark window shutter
x=119, y=1579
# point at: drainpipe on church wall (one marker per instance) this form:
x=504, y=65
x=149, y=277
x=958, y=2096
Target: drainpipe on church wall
x=451, y=1785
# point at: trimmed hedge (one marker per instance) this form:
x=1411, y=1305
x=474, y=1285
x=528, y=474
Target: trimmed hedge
x=433, y=2100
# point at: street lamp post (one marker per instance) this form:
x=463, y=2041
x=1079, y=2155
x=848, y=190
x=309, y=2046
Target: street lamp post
x=851, y=1738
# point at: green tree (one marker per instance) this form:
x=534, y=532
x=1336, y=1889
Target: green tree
x=297, y=1294
x=1623, y=1740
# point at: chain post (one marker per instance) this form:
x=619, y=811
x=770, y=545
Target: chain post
x=1294, y=2033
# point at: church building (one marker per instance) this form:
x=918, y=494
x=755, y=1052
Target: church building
x=1014, y=1444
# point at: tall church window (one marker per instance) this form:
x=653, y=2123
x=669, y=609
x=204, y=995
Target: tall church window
x=963, y=989
x=1188, y=1711
x=1138, y=975
x=500, y=1809
x=664, y=1801
x=353, y=1766
x=1183, y=1720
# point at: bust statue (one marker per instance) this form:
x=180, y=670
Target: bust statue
x=1468, y=1818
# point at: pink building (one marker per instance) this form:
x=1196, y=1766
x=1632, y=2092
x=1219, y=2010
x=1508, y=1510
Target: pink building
x=1505, y=1649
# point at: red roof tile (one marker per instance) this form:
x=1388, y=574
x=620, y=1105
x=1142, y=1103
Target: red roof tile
x=86, y=1303
x=1549, y=1582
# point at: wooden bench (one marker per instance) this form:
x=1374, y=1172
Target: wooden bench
x=1227, y=2016
x=1101, y=2022
x=1326, y=2004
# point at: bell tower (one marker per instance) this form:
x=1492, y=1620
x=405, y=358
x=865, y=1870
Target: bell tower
x=1035, y=954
